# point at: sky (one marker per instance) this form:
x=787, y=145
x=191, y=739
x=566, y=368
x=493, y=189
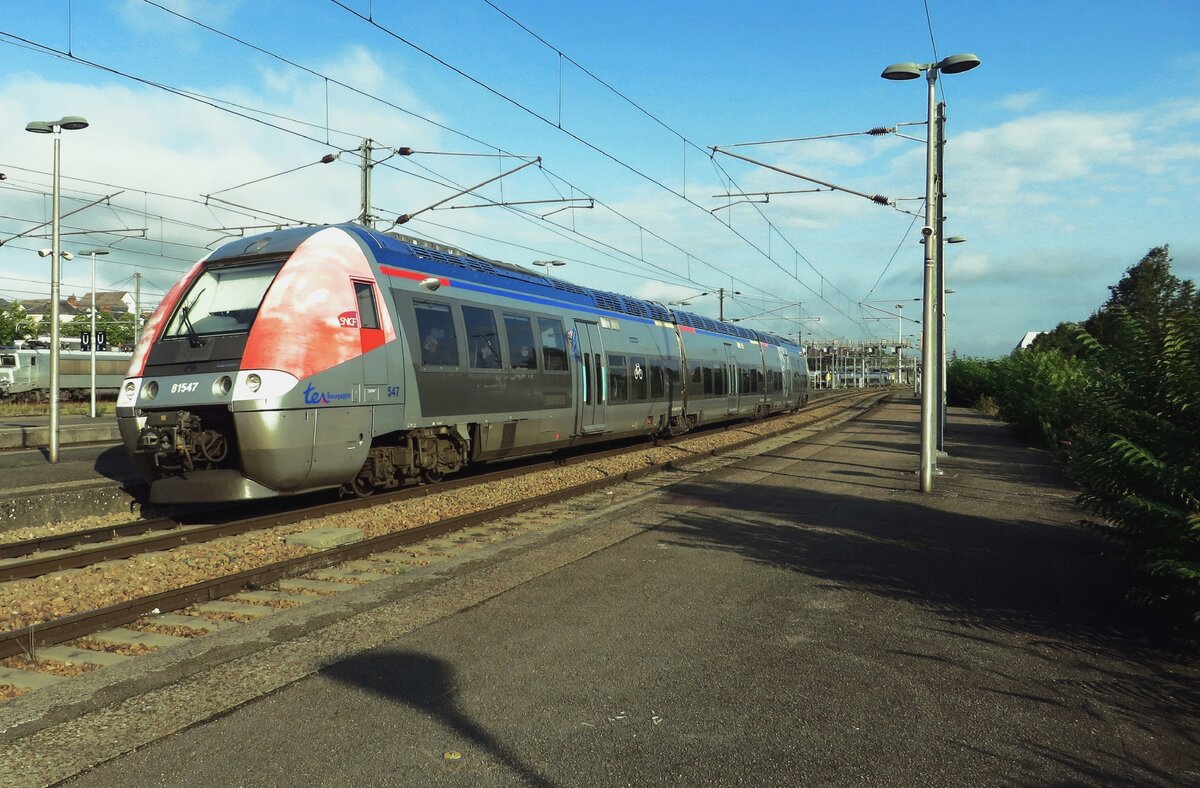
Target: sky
x=1071, y=150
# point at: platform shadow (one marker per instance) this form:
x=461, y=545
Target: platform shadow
x=427, y=684
x=1048, y=590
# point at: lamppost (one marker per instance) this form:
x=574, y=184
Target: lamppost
x=899, y=342
x=70, y=123
x=953, y=64
x=93, y=253
x=548, y=264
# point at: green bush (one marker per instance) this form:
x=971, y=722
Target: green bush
x=1138, y=455
x=1123, y=394
x=968, y=381
x=1039, y=394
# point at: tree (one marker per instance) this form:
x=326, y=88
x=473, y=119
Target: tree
x=118, y=328
x=1148, y=293
x=1063, y=338
x=14, y=324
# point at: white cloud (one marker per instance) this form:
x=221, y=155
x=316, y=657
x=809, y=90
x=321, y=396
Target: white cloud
x=1021, y=102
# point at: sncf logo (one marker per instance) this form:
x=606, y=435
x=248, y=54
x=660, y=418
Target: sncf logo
x=348, y=320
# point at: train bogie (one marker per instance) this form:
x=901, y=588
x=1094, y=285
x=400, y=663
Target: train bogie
x=338, y=356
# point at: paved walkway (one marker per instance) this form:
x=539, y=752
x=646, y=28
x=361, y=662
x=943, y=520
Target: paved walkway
x=804, y=617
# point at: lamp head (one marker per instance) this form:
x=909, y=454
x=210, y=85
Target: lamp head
x=73, y=123
x=956, y=64
x=45, y=252
x=39, y=127
x=902, y=71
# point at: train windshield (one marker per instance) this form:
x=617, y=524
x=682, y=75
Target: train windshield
x=222, y=300
x=8, y=360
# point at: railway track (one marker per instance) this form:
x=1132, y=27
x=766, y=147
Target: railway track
x=109, y=544
x=79, y=549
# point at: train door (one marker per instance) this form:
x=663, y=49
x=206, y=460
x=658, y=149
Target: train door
x=785, y=376
x=371, y=339
x=731, y=380
x=593, y=394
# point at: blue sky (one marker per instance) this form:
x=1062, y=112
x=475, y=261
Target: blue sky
x=1072, y=149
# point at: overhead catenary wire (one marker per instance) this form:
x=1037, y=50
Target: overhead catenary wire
x=218, y=105
x=311, y=71
x=533, y=113
x=699, y=259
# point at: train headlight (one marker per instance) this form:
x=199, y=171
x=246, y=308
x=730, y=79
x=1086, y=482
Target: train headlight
x=262, y=384
x=222, y=386
x=151, y=389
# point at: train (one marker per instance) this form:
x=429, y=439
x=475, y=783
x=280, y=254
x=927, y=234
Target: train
x=337, y=356
x=25, y=373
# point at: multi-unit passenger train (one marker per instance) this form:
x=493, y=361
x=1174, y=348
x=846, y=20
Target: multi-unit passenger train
x=339, y=356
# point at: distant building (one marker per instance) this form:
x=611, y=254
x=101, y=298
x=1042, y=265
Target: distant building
x=38, y=309
x=116, y=302
x=1027, y=340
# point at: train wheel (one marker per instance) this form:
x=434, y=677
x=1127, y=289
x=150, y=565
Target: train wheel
x=432, y=476
x=361, y=487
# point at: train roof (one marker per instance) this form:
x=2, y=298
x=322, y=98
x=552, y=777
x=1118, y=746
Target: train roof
x=483, y=270
x=523, y=279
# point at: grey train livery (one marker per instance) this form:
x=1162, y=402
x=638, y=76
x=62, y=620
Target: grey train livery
x=341, y=357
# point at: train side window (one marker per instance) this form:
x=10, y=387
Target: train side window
x=554, y=345
x=598, y=376
x=587, y=379
x=637, y=377
x=618, y=379
x=708, y=380
x=439, y=342
x=521, y=352
x=364, y=294
x=8, y=360
x=656, y=380
x=718, y=375
x=483, y=342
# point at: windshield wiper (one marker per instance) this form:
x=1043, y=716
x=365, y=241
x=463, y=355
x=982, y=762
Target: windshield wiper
x=193, y=337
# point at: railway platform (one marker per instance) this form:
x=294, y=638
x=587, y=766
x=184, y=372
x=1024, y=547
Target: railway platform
x=802, y=616
x=33, y=432
x=93, y=475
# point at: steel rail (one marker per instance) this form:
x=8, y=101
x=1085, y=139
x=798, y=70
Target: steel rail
x=27, y=640
x=177, y=531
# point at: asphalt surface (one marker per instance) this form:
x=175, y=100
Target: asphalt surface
x=804, y=617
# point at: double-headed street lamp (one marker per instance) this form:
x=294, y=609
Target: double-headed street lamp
x=930, y=363
x=93, y=253
x=70, y=123
x=548, y=264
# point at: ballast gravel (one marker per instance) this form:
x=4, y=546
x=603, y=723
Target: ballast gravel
x=36, y=600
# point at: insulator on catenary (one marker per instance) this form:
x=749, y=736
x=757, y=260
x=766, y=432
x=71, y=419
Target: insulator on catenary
x=879, y=199
x=882, y=130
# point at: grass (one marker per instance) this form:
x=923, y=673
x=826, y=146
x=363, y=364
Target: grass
x=10, y=409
